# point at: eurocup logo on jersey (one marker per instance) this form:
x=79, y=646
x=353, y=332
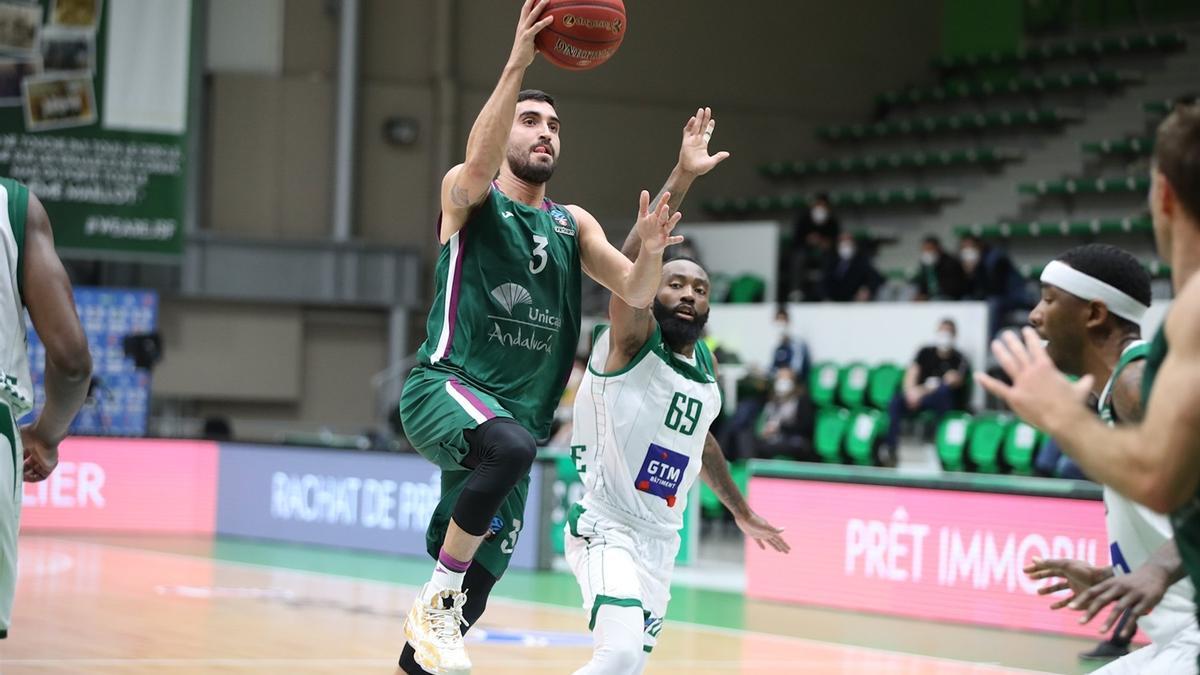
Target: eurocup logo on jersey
x=662, y=472
x=562, y=225
x=494, y=528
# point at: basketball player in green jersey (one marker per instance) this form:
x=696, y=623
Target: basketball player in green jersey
x=32, y=278
x=1157, y=462
x=502, y=335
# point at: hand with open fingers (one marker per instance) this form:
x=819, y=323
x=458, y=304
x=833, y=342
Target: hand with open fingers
x=1039, y=393
x=41, y=458
x=693, y=153
x=762, y=532
x=655, y=227
x=1138, y=592
x=1075, y=576
x=528, y=27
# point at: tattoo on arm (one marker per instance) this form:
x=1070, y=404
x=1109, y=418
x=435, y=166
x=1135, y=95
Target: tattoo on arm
x=459, y=196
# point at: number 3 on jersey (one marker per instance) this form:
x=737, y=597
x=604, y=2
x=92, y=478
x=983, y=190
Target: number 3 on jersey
x=684, y=414
x=539, y=254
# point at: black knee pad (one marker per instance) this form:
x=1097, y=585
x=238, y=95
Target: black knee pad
x=501, y=454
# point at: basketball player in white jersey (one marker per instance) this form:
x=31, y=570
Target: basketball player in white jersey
x=32, y=277
x=1093, y=299
x=640, y=439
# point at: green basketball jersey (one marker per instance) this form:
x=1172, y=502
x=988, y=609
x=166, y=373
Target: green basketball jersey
x=505, y=317
x=1185, y=521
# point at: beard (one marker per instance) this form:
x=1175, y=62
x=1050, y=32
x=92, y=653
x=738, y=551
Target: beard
x=678, y=333
x=525, y=169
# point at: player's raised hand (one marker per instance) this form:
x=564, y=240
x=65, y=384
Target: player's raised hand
x=654, y=227
x=693, y=152
x=528, y=27
x=1138, y=592
x=41, y=458
x=763, y=533
x=1039, y=393
x=1075, y=576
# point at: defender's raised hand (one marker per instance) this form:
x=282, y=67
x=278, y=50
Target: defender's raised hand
x=655, y=227
x=693, y=152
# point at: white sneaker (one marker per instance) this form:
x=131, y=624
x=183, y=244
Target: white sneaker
x=433, y=631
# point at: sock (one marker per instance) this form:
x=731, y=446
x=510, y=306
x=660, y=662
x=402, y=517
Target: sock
x=447, y=574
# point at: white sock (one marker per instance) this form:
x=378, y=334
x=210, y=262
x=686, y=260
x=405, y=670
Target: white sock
x=443, y=579
x=618, y=640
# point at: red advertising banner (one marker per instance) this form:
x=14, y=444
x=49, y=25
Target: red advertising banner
x=931, y=554
x=126, y=485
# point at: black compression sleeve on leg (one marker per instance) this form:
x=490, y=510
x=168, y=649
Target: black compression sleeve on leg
x=501, y=454
x=477, y=583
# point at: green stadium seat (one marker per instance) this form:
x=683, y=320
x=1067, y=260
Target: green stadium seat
x=831, y=427
x=747, y=288
x=1072, y=186
x=987, y=436
x=951, y=441
x=852, y=385
x=884, y=382
x=823, y=383
x=746, y=206
x=710, y=504
x=1020, y=448
x=866, y=433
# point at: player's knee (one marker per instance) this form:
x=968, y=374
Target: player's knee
x=513, y=448
x=622, y=659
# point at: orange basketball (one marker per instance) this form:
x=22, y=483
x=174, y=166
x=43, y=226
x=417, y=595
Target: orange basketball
x=584, y=34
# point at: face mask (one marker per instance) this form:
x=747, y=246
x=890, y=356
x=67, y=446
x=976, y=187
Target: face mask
x=928, y=257
x=820, y=214
x=783, y=387
x=845, y=251
x=970, y=256
x=781, y=329
x=944, y=340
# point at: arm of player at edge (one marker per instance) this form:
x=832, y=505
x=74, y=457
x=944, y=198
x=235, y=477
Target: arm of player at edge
x=466, y=185
x=714, y=471
x=51, y=307
x=1156, y=463
x=632, y=326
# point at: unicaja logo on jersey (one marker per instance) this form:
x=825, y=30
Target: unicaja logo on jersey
x=510, y=295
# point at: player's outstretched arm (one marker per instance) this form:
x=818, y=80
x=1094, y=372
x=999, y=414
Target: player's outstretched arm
x=1156, y=463
x=714, y=471
x=68, y=363
x=694, y=161
x=466, y=185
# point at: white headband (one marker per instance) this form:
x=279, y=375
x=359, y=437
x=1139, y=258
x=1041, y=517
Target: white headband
x=1090, y=288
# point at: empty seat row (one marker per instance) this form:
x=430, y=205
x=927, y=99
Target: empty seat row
x=935, y=125
x=1128, y=146
x=743, y=206
x=854, y=385
x=1011, y=86
x=1057, y=228
x=987, y=443
x=1148, y=43
x=1074, y=186
x=863, y=164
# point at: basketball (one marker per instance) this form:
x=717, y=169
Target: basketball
x=584, y=34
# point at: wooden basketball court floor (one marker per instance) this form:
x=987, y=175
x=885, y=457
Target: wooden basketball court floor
x=119, y=605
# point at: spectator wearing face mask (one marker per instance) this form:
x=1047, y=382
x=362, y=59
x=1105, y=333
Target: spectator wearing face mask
x=935, y=380
x=790, y=351
x=940, y=276
x=787, y=420
x=813, y=235
x=992, y=277
x=849, y=276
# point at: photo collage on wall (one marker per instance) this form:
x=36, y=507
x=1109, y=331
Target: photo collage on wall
x=48, y=61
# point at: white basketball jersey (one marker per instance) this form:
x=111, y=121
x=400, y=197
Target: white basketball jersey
x=16, y=384
x=639, y=432
x=1135, y=533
